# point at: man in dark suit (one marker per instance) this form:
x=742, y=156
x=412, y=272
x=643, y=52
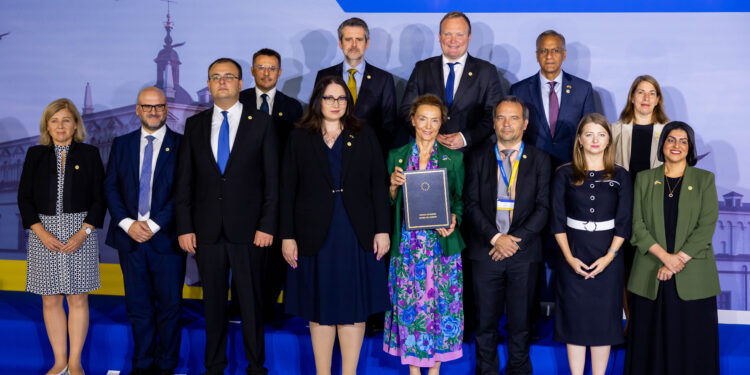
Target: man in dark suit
x=557, y=100
x=505, y=244
x=372, y=89
x=139, y=190
x=226, y=204
x=286, y=112
x=468, y=86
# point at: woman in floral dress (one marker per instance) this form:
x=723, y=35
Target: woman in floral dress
x=425, y=324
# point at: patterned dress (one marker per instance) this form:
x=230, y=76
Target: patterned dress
x=425, y=323
x=50, y=272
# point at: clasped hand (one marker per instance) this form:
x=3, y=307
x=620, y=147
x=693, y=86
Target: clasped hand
x=589, y=272
x=673, y=264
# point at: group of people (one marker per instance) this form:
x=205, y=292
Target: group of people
x=255, y=184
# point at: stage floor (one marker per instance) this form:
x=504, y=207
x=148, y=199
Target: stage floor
x=24, y=348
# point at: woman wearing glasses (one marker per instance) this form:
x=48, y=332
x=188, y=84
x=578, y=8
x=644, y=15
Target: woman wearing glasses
x=673, y=319
x=334, y=224
x=61, y=199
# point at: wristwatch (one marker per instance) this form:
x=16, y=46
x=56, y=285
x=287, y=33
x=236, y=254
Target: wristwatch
x=613, y=251
x=87, y=230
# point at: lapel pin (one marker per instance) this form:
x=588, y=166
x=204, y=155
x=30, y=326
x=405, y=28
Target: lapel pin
x=471, y=74
x=369, y=76
x=690, y=187
x=166, y=149
x=445, y=157
x=567, y=91
x=349, y=144
x=569, y=86
x=249, y=117
x=351, y=136
x=657, y=182
x=77, y=167
x=400, y=160
x=281, y=114
x=524, y=156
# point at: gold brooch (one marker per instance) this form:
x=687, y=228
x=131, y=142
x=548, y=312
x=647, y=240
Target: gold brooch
x=77, y=167
x=524, y=156
x=567, y=91
x=369, y=76
x=349, y=144
x=249, y=117
x=471, y=74
x=281, y=114
x=166, y=149
x=400, y=160
x=690, y=188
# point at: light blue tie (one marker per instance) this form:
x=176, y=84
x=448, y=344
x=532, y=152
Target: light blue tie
x=222, y=153
x=449, y=84
x=144, y=187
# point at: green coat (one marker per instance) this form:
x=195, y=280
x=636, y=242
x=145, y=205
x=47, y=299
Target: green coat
x=696, y=221
x=449, y=159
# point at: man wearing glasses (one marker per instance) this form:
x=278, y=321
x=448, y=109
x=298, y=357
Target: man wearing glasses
x=557, y=100
x=285, y=111
x=372, y=89
x=138, y=188
x=226, y=203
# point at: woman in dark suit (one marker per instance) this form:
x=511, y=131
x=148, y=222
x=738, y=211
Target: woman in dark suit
x=334, y=224
x=60, y=197
x=673, y=320
x=425, y=324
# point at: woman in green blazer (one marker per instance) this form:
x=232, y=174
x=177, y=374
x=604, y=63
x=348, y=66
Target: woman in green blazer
x=425, y=324
x=674, y=281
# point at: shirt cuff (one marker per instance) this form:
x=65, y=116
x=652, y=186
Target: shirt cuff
x=466, y=144
x=125, y=224
x=495, y=238
x=153, y=226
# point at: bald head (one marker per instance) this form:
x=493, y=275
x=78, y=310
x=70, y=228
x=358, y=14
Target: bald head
x=152, y=109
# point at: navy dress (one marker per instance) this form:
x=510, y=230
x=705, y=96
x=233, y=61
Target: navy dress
x=589, y=312
x=343, y=283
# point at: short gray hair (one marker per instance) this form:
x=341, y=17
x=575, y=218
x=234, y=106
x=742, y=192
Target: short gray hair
x=549, y=33
x=354, y=22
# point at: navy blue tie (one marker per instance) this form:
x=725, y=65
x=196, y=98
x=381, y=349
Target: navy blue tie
x=264, y=105
x=449, y=84
x=222, y=152
x=144, y=187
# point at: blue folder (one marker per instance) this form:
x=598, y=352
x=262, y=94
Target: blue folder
x=426, y=199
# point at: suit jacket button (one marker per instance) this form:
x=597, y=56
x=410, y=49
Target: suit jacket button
x=223, y=179
x=220, y=198
x=448, y=117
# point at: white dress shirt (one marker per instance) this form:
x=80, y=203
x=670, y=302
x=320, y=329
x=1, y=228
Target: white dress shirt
x=158, y=139
x=258, y=100
x=544, y=86
x=233, y=117
x=458, y=70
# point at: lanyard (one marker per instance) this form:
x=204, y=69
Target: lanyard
x=514, y=171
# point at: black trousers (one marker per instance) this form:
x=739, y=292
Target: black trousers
x=153, y=298
x=508, y=284
x=246, y=262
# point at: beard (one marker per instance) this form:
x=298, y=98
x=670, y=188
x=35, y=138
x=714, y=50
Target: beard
x=154, y=127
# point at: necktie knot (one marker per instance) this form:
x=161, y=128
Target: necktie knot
x=352, y=71
x=452, y=65
x=507, y=152
x=224, y=113
x=264, y=96
x=150, y=138
x=551, y=85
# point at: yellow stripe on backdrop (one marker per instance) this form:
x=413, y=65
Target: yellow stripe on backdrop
x=13, y=278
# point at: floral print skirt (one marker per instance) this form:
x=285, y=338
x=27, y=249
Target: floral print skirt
x=426, y=320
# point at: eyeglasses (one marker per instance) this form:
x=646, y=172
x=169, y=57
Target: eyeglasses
x=555, y=51
x=149, y=107
x=226, y=77
x=330, y=100
x=262, y=68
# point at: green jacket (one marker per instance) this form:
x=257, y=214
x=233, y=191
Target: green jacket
x=696, y=221
x=449, y=159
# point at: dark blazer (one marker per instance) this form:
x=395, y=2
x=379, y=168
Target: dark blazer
x=242, y=200
x=286, y=112
x=376, y=101
x=449, y=159
x=82, y=187
x=307, y=195
x=577, y=101
x=531, y=208
x=473, y=104
x=696, y=222
x=121, y=189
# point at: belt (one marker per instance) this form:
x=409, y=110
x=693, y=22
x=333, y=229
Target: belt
x=591, y=226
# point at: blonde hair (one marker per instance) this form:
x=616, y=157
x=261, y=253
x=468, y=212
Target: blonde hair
x=579, y=161
x=54, y=107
